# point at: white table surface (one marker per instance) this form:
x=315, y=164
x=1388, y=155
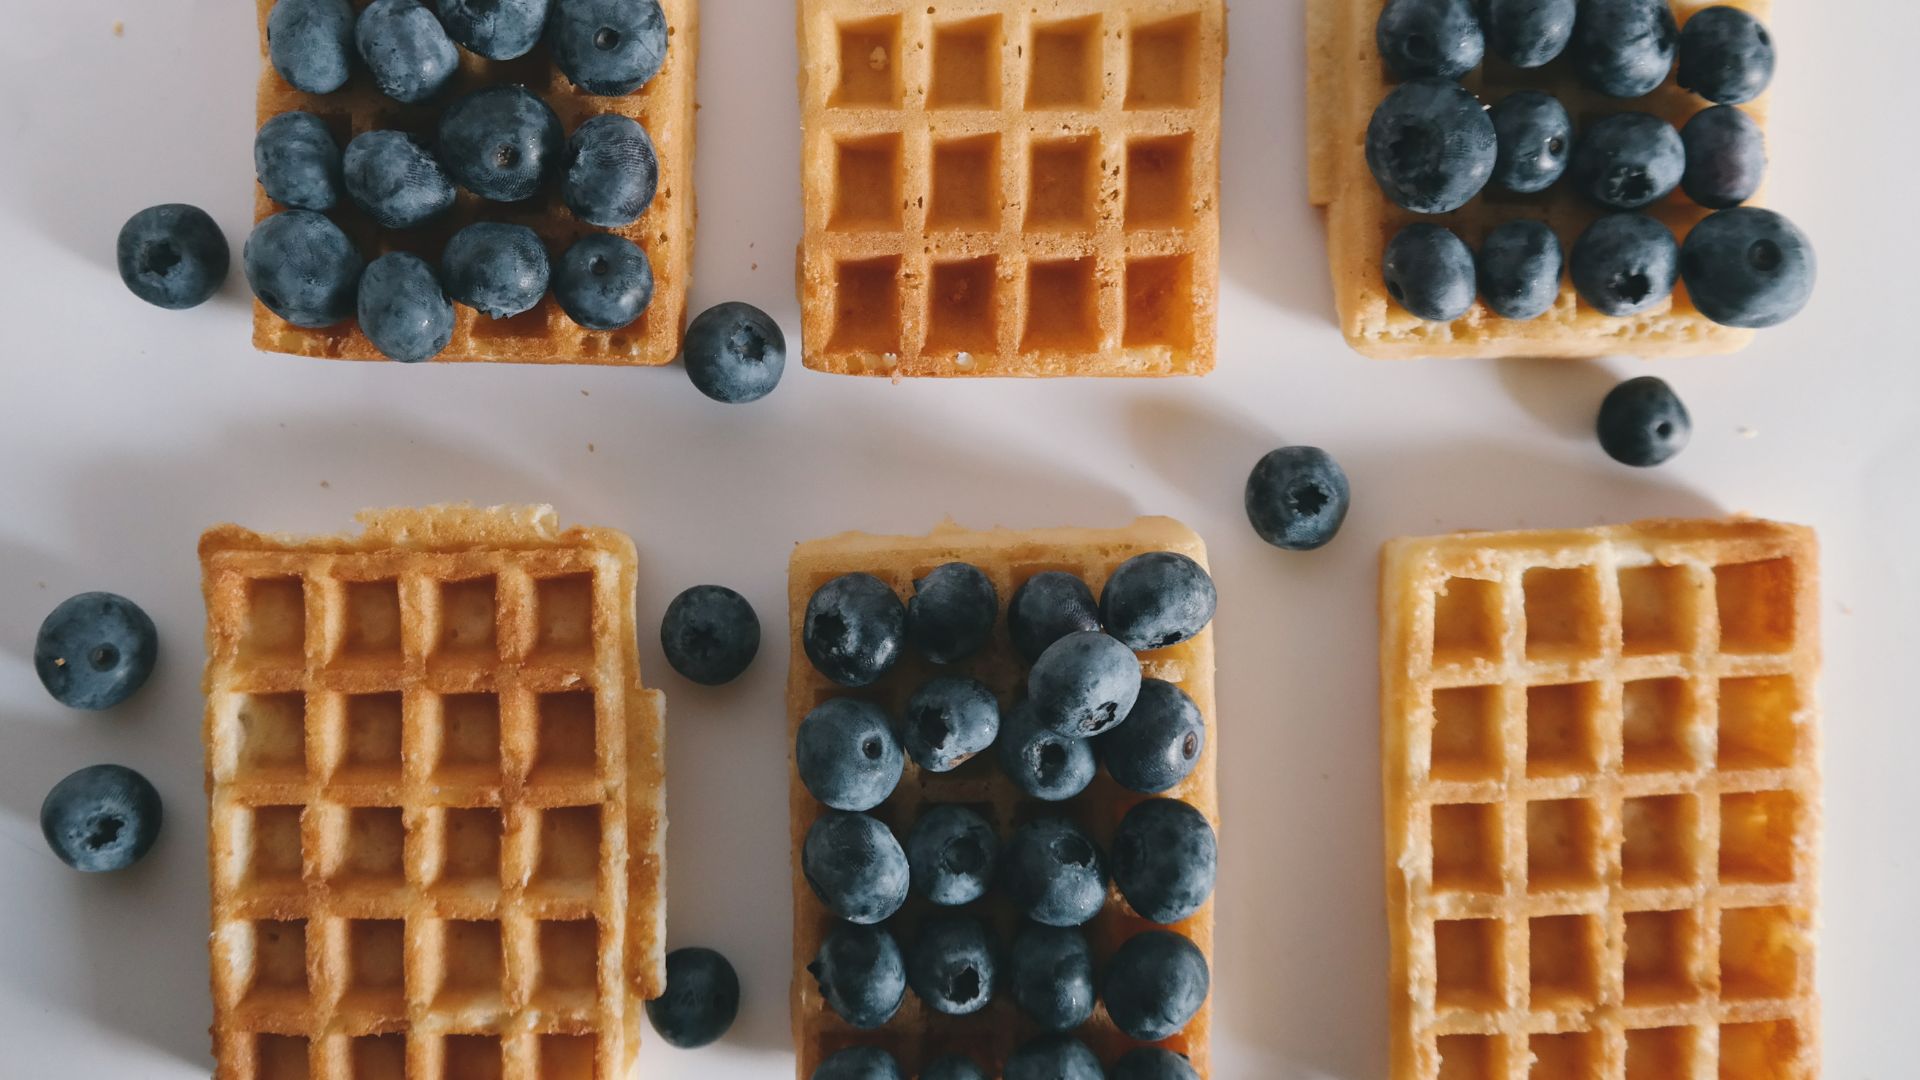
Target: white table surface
x=125, y=430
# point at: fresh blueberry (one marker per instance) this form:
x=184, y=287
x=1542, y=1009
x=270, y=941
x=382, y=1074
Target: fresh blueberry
x=298, y=162
x=856, y=867
x=949, y=719
x=854, y=629
x=1053, y=1057
x=1165, y=860
x=861, y=974
x=502, y=143
x=1297, y=498
x=1054, y=873
x=1528, y=33
x=495, y=29
x=1429, y=270
x=406, y=48
x=1083, y=684
x=701, y=1000
x=1629, y=160
x=396, y=180
x=1160, y=743
x=951, y=613
x=1748, y=267
x=1431, y=146
x=1726, y=157
x=403, y=309
x=1041, y=762
x=104, y=817
x=310, y=43
x=1430, y=38
x=172, y=256
x=953, y=1067
x=1156, y=600
x=734, y=353
x=1535, y=141
x=1625, y=263
x=1625, y=48
x=1726, y=56
x=497, y=269
x=951, y=853
x=859, y=1063
x=608, y=47
x=1643, y=423
x=604, y=282
x=303, y=268
x=612, y=173
x=1050, y=972
x=1154, y=985
x=847, y=755
x=1520, y=268
x=1154, y=1063
x=710, y=634
x=95, y=650
x=1049, y=606
x=951, y=965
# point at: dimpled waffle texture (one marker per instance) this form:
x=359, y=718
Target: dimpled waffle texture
x=437, y=815
x=544, y=335
x=1011, y=188
x=918, y=1035
x=1347, y=80
x=1602, y=803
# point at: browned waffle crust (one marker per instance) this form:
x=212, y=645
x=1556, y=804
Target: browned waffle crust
x=1011, y=187
x=1347, y=80
x=437, y=832
x=1602, y=803
x=545, y=335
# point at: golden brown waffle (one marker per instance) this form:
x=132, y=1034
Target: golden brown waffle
x=1602, y=802
x=918, y=1034
x=1011, y=187
x=665, y=107
x=437, y=835
x=1347, y=80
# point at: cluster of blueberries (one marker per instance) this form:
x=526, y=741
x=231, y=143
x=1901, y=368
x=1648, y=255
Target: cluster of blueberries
x=1086, y=705
x=1434, y=147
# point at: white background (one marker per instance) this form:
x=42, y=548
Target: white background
x=125, y=430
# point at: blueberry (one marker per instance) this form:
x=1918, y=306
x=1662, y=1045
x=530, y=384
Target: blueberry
x=604, y=282
x=1047, y=607
x=856, y=867
x=172, y=256
x=310, y=43
x=1297, y=498
x=1428, y=269
x=949, y=719
x=495, y=29
x=1429, y=38
x=1053, y=1057
x=1161, y=742
x=701, y=1000
x=1535, y=141
x=406, y=48
x=1154, y=985
x=95, y=650
x=403, y=309
x=1629, y=160
x=1726, y=56
x=951, y=853
x=104, y=817
x=1157, y=600
x=303, y=268
x=1054, y=873
x=1520, y=268
x=951, y=613
x=1050, y=973
x=1643, y=423
x=1165, y=860
x=502, y=143
x=298, y=162
x=608, y=47
x=496, y=269
x=1748, y=267
x=611, y=171
x=953, y=1067
x=1625, y=48
x=847, y=755
x=1726, y=157
x=1431, y=146
x=1625, y=263
x=734, y=353
x=710, y=634
x=396, y=180
x=862, y=976
x=854, y=629
x=859, y=1063
x=1043, y=763
x=1528, y=33
x=1154, y=1063
x=951, y=965
x=1083, y=684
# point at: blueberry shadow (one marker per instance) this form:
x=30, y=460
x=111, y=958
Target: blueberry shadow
x=32, y=582
x=1563, y=395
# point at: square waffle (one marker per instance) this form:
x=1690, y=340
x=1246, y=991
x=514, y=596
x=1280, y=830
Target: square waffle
x=545, y=335
x=1011, y=187
x=437, y=835
x=918, y=1035
x=1347, y=80
x=1602, y=803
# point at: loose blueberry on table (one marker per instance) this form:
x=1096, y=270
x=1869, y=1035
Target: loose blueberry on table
x=710, y=634
x=101, y=818
x=701, y=1000
x=95, y=650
